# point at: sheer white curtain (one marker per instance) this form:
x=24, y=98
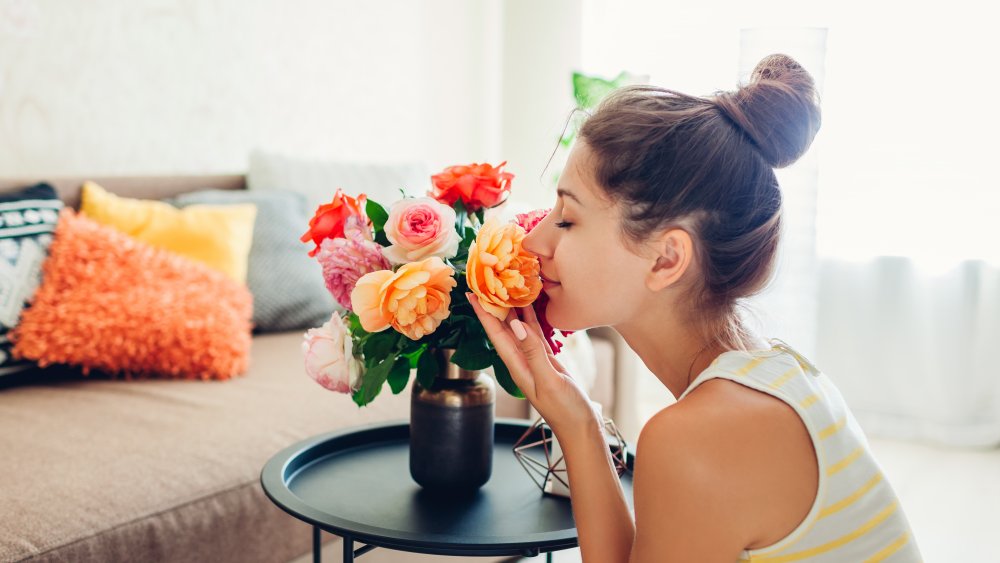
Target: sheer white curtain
x=887, y=275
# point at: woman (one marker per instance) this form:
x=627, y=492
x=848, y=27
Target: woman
x=667, y=215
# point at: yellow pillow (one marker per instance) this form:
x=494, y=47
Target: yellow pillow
x=219, y=236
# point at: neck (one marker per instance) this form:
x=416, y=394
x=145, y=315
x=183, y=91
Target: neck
x=674, y=350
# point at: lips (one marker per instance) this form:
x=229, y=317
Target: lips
x=546, y=280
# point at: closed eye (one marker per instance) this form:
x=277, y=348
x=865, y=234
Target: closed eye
x=563, y=224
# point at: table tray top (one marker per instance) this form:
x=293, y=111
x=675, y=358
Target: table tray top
x=356, y=483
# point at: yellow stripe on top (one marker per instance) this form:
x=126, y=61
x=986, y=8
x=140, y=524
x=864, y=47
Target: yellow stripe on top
x=852, y=498
x=809, y=401
x=785, y=377
x=832, y=429
x=889, y=549
x=750, y=365
x=867, y=527
x=844, y=463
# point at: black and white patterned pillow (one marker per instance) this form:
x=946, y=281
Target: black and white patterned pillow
x=28, y=219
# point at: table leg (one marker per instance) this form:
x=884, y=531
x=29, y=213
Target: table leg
x=348, y=549
x=317, y=546
x=548, y=557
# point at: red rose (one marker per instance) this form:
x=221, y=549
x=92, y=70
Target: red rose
x=328, y=222
x=477, y=185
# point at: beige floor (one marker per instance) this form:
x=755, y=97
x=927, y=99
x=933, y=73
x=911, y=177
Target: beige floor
x=951, y=496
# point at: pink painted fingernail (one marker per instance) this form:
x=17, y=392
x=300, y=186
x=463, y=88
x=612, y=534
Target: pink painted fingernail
x=518, y=328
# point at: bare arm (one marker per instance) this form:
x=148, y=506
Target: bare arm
x=603, y=521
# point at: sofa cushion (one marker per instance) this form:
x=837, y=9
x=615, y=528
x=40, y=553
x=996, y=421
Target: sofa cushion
x=218, y=236
x=28, y=218
x=287, y=285
x=113, y=304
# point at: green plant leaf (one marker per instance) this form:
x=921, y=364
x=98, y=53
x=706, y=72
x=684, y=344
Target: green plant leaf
x=481, y=214
x=379, y=345
x=473, y=353
x=414, y=356
x=377, y=214
x=382, y=239
x=427, y=369
x=354, y=324
x=372, y=381
x=504, y=379
x=399, y=374
x=460, y=215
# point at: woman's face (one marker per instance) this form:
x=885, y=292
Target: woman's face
x=590, y=276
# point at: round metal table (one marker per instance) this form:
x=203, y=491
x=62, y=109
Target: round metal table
x=356, y=484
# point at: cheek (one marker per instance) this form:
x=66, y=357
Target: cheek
x=601, y=285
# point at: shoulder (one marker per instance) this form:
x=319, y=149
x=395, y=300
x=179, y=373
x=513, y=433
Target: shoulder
x=687, y=503
x=730, y=454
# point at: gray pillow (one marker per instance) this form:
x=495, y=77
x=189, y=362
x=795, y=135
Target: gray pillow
x=287, y=285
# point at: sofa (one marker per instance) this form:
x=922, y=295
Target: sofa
x=105, y=469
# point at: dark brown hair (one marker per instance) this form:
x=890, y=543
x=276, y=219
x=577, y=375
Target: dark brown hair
x=706, y=164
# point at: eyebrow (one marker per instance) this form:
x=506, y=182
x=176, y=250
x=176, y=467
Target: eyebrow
x=562, y=192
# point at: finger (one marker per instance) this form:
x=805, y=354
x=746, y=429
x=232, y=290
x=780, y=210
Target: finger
x=502, y=337
x=529, y=313
x=531, y=319
x=532, y=346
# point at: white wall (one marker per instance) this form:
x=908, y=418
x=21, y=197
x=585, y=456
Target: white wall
x=186, y=86
x=541, y=49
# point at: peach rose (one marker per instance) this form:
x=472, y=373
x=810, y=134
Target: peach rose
x=413, y=300
x=500, y=271
x=419, y=228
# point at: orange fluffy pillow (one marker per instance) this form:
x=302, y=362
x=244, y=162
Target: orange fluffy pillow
x=113, y=304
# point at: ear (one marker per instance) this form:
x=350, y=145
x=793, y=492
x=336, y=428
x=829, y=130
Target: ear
x=674, y=250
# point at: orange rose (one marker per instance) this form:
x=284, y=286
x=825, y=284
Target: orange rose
x=328, y=222
x=413, y=300
x=477, y=185
x=500, y=271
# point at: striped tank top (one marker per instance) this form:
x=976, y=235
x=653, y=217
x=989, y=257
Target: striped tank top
x=856, y=515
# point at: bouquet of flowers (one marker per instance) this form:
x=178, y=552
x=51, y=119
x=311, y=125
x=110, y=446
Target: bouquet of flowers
x=401, y=275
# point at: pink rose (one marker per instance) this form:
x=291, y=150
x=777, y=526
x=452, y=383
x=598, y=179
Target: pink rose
x=420, y=228
x=329, y=356
x=345, y=260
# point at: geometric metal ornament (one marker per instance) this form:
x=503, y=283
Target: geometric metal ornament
x=538, y=452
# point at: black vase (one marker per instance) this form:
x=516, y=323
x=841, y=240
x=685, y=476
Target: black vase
x=451, y=428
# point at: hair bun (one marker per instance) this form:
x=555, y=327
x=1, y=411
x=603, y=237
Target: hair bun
x=778, y=109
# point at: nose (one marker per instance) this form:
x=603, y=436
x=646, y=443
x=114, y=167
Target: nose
x=538, y=241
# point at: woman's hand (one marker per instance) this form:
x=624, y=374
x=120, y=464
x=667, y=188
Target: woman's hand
x=534, y=368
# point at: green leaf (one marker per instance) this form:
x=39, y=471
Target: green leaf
x=460, y=215
x=414, y=356
x=354, y=324
x=473, y=353
x=427, y=369
x=399, y=374
x=379, y=345
x=382, y=239
x=372, y=381
x=504, y=379
x=481, y=214
x=377, y=214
